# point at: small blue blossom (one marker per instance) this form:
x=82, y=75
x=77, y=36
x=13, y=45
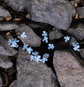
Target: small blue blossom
x=45, y=39
x=10, y=41
x=35, y=53
x=74, y=43
x=45, y=57
x=76, y=46
x=13, y=42
x=44, y=34
x=14, y=45
x=37, y=58
x=67, y=38
x=25, y=47
x=51, y=46
x=23, y=35
x=29, y=50
x=32, y=57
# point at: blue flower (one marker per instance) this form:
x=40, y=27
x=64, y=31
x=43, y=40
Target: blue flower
x=14, y=45
x=51, y=46
x=74, y=43
x=37, y=58
x=45, y=39
x=13, y=42
x=44, y=34
x=10, y=41
x=45, y=57
x=32, y=57
x=29, y=50
x=35, y=53
x=25, y=47
x=23, y=35
x=76, y=46
x=67, y=38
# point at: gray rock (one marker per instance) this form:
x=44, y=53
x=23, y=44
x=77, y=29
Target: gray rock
x=77, y=1
x=57, y=13
x=4, y=13
x=32, y=39
x=55, y=34
x=28, y=16
x=5, y=62
x=77, y=31
x=1, y=18
x=80, y=11
x=0, y=81
x=73, y=8
x=5, y=27
x=14, y=84
x=69, y=69
x=32, y=73
x=81, y=52
x=17, y=5
x=74, y=12
x=6, y=49
x=72, y=2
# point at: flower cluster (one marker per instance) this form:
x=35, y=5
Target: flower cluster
x=34, y=55
x=45, y=57
x=37, y=57
x=45, y=39
x=13, y=42
x=75, y=45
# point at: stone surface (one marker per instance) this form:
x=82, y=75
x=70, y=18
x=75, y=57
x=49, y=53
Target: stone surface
x=55, y=34
x=32, y=73
x=32, y=39
x=80, y=11
x=16, y=4
x=28, y=16
x=6, y=49
x=1, y=18
x=69, y=69
x=72, y=2
x=5, y=27
x=74, y=12
x=77, y=1
x=77, y=31
x=0, y=81
x=82, y=53
x=4, y=13
x=5, y=62
x=57, y=12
